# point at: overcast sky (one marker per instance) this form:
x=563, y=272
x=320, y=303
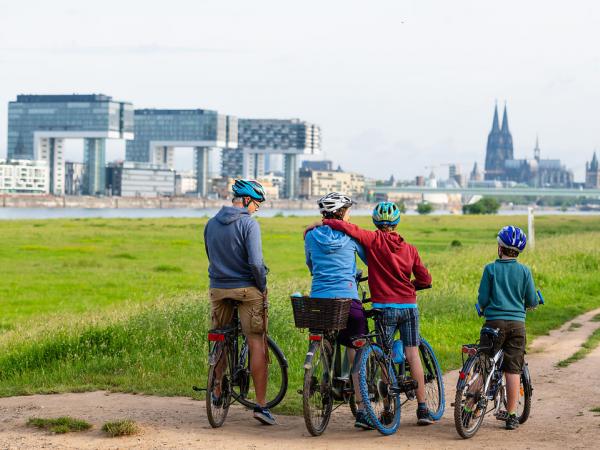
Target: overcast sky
x=395, y=85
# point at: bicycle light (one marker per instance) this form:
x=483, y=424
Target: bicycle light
x=216, y=337
x=471, y=351
x=359, y=343
x=315, y=337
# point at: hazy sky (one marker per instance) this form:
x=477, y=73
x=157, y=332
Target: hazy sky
x=394, y=85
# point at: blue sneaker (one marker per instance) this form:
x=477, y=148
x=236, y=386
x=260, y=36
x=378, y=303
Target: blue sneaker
x=362, y=421
x=264, y=416
x=424, y=417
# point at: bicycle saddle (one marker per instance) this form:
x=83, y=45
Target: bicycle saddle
x=374, y=312
x=492, y=332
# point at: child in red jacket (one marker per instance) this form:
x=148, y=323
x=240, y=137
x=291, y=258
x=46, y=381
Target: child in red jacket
x=391, y=262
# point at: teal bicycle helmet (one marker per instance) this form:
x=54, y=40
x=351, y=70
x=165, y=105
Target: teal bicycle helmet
x=249, y=188
x=386, y=213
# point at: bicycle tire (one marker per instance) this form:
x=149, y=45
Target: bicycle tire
x=434, y=382
x=273, y=397
x=527, y=391
x=216, y=411
x=317, y=387
x=462, y=417
x=372, y=387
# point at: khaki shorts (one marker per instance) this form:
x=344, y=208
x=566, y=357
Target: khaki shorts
x=512, y=340
x=252, y=308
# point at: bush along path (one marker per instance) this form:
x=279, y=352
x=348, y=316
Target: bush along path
x=563, y=414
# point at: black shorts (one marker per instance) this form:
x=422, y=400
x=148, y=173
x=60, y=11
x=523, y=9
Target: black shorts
x=512, y=340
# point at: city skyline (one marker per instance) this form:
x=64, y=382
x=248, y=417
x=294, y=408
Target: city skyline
x=412, y=84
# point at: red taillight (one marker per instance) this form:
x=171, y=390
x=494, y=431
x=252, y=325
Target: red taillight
x=461, y=375
x=214, y=337
x=358, y=343
x=469, y=350
x=315, y=337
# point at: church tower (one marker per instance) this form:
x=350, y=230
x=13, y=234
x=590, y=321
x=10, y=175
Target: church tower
x=499, y=147
x=592, y=174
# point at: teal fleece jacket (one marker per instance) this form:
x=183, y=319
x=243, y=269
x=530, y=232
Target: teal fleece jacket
x=506, y=290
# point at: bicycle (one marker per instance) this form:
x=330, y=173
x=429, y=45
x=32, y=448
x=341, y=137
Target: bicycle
x=481, y=380
x=384, y=374
x=229, y=378
x=326, y=376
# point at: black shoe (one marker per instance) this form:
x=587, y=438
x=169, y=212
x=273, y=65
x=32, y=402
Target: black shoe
x=424, y=417
x=512, y=423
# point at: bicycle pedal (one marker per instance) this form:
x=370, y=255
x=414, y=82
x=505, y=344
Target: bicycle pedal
x=405, y=386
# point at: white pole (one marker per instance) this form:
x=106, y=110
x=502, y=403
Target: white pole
x=530, y=228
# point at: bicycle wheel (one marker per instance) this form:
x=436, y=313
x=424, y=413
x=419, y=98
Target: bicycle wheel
x=218, y=391
x=434, y=383
x=525, y=394
x=317, y=398
x=277, y=381
x=376, y=382
x=470, y=403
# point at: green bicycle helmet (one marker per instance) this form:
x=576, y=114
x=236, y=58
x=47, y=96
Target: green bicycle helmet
x=386, y=213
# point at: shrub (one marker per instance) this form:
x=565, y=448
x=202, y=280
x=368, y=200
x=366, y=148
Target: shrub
x=486, y=205
x=424, y=208
x=401, y=206
x=456, y=243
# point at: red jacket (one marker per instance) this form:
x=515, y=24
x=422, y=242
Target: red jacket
x=391, y=262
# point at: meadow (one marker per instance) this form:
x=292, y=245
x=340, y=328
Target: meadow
x=122, y=304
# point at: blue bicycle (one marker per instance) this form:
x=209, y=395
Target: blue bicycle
x=384, y=374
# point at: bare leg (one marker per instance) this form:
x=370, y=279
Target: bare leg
x=258, y=367
x=513, y=383
x=351, y=353
x=416, y=371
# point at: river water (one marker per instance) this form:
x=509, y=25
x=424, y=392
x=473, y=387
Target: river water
x=141, y=213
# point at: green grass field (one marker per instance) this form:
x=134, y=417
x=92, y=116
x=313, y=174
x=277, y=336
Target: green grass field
x=122, y=305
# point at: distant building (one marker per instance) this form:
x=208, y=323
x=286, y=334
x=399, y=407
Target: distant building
x=592, y=173
x=325, y=165
x=24, y=177
x=134, y=179
x=185, y=183
x=454, y=175
x=74, y=173
x=476, y=174
x=420, y=180
x=317, y=183
x=38, y=125
x=500, y=164
x=260, y=138
x=499, y=147
x=159, y=131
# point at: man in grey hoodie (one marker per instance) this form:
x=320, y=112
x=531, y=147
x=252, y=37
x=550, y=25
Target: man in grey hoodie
x=237, y=272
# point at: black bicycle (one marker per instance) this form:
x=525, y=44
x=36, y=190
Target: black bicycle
x=384, y=374
x=229, y=378
x=481, y=381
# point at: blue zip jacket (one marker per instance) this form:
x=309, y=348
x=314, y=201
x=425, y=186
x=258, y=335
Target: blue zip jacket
x=234, y=249
x=330, y=257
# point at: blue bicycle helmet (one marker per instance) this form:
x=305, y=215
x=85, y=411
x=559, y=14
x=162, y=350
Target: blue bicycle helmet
x=386, y=213
x=248, y=188
x=512, y=237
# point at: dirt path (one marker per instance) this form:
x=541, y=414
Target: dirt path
x=561, y=416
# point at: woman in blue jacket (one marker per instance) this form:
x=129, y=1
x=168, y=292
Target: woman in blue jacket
x=331, y=259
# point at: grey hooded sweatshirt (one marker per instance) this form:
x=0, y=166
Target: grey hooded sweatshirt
x=234, y=248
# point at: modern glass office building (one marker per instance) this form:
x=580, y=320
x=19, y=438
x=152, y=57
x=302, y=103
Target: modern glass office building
x=259, y=138
x=38, y=124
x=159, y=131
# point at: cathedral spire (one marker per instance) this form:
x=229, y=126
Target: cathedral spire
x=505, y=129
x=536, y=150
x=495, y=126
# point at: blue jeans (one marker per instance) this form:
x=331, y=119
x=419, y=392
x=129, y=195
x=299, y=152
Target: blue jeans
x=406, y=320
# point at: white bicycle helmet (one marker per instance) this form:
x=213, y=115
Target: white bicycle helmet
x=334, y=201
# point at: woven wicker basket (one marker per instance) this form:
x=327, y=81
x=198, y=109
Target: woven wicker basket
x=321, y=313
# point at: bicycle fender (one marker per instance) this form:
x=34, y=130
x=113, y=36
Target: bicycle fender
x=215, y=355
x=309, y=355
x=527, y=378
x=356, y=367
x=465, y=369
